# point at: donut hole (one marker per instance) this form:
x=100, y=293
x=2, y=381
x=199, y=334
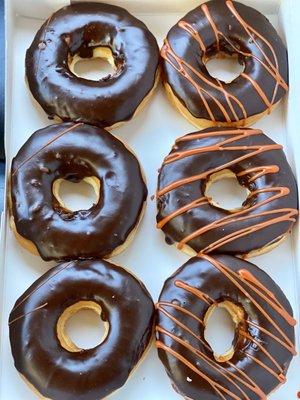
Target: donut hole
x=223, y=190
x=74, y=196
x=80, y=327
x=225, y=67
x=100, y=66
x=221, y=321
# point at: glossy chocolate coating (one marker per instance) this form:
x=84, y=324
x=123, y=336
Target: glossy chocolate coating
x=220, y=26
x=78, y=29
x=90, y=374
x=205, y=278
x=260, y=166
x=73, y=152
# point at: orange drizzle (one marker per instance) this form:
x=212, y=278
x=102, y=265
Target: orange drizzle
x=217, y=146
x=239, y=376
x=259, y=90
x=288, y=215
x=28, y=313
x=162, y=304
x=184, y=327
x=184, y=181
x=185, y=68
x=276, y=216
x=246, y=275
x=215, y=385
x=201, y=355
x=46, y=145
x=187, y=27
x=42, y=284
x=213, y=25
x=261, y=171
x=196, y=292
x=289, y=346
x=249, y=337
x=249, y=29
x=280, y=377
x=182, y=210
x=204, y=135
x=235, y=278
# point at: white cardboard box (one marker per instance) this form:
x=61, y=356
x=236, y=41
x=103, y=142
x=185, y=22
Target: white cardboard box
x=151, y=138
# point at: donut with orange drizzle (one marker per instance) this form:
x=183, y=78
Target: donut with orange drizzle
x=189, y=217
x=264, y=343
x=222, y=29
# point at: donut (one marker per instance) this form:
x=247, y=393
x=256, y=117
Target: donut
x=87, y=30
x=190, y=218
x=264, y=342
x=75, y=152
x=224, y=29
x=47, y=358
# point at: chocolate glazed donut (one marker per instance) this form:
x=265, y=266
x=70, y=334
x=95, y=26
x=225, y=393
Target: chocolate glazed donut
x=222, y=28
x=264, y=339
x=190, y=218
x=85, y=30
x=49, y=361
x=75, y=152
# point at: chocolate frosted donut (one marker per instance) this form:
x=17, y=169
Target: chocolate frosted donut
x=86, y=30
x=75, y=152
x=190, y=218
x=222, y=28
x=47, y=358
x=263, y=347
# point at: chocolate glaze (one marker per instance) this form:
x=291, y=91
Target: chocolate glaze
x=263, y=344
x=73, y=152
x=184, y=212
x=78, y=29
x=220, y=26
x=89, y=374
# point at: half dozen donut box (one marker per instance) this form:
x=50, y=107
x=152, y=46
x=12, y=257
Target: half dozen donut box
x=150, y=134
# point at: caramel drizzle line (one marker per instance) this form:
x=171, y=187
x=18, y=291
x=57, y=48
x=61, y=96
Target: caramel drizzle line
x=203, y=175
x=216, y=147
x=184, y=327
x=222, y=268
x=236, y=217
x=290, y=348
x=184, y=25
x=216, y=386
x=246, y=275
x=281, y=83
x=212, y=24
x=29, y=312
x=204, y=135
x=272, y=69
x=255, y=388
x=259, y=90
x=162, y=304
x=288, y=216
x=231, y=275
x=167, y=51
x=217, y=367
x=261, y=171
x=280, y=377
x=196, y=292
x=46, y=145
x=250, y=29
x=39, y=286
x=249, y=337
x=194, y=204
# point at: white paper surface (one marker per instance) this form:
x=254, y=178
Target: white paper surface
x=151, y=135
